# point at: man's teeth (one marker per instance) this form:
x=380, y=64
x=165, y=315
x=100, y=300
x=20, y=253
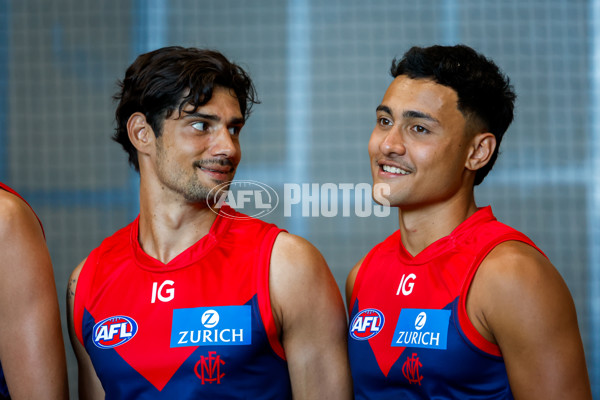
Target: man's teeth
x=394, y=170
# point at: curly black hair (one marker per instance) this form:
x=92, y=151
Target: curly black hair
x=167, y=79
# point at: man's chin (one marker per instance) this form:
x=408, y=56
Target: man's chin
x=216, y=194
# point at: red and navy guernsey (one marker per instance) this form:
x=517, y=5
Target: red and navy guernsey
x=409, y=334
x=198, y=327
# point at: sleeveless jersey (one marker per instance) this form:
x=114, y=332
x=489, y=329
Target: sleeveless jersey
x=3, y=387
x=199, y=327
x=410, y=336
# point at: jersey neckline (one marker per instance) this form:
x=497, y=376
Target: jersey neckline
x=187, y=257
x=483, y=214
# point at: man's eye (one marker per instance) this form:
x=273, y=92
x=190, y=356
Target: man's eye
x=235, y=130
x=420, y=129
x=201, y=126
x=384, y=121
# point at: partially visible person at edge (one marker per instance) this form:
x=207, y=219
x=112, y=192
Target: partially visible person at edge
x=184, y=303
x=32, y=353
x=454, y=305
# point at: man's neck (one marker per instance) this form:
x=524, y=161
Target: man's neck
x=422, y=226
x=167, y=228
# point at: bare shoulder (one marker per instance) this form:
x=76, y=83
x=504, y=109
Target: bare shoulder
x=299, y=271
x=516, y=279
x=306, y=299
x=71, y=289
x=294, y=260
x=76, y=271
x=519, y=301
x=25, y=256
x=16, y=215
x=9, y=203
x=517, y=269
x=351, y=279
x=289, y=246
x=29, y=306
x=72, y=284
x=513, y=252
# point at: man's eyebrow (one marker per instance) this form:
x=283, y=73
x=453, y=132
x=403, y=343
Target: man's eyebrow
x=383, y=108
x=212, y=117
x=194, y=115
x=237, y=121
x=409, y=114
x=419, y=115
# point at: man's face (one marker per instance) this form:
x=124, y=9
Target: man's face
x=199, y=151
x=419, y=146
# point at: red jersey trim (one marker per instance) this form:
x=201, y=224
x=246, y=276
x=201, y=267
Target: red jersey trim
x=264, y=293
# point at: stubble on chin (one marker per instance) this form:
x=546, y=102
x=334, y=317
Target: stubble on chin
x=210, y=196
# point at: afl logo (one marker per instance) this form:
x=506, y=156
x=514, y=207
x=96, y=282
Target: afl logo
x=114, y=331
x=366, y=324
x=254, y=199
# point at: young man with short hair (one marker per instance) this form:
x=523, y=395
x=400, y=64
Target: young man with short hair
x=454, y=305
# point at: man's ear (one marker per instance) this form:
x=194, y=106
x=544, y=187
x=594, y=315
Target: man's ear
x=481, y=150
x=140, y=133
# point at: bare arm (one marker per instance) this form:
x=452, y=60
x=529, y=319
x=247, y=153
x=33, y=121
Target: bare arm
x=90, y=387
x=350, y=282
x=310, y=315
x=32, y=351
x=519, y=301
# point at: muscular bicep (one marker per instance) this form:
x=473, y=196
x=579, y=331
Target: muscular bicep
x=90, y=387
x=528, y=310
x=309, y=310
x=31, y=343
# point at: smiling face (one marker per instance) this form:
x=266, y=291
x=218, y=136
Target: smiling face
x=200, y=149
x=419, y=146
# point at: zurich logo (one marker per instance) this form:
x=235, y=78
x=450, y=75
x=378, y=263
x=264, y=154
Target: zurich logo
x=114, y=331
x=366, y=324
x=420, y=321
x=210, y=319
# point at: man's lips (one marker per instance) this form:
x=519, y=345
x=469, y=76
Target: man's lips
x=218, y=169
x=393, y=168
x=216, y=166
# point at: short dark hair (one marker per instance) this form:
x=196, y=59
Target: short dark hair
x=485, y=95
x=167, y=79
